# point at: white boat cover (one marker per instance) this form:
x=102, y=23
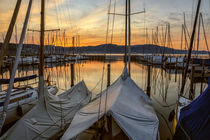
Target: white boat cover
x=50, y=115
x=130, y=107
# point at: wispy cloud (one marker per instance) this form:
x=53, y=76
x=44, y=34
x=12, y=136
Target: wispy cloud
x=88, y=18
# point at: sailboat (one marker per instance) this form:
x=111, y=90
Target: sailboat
x=122, y=111
x=21, y=101
x=192, y=116
x=184, y=101
x=194, y=119
x=52, y=113
x=14, y=103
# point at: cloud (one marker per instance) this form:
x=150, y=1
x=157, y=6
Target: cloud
x=88, y=18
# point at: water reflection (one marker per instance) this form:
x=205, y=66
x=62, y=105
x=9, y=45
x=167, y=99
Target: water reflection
x=165, y=85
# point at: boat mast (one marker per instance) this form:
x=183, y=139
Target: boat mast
x=190, y=49
x=11, y=83
x=129, y=37
x=41, y=67
x=126, y=11
x=9, y=32
x=198, y=38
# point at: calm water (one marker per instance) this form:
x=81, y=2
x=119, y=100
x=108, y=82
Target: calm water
x=164, y=86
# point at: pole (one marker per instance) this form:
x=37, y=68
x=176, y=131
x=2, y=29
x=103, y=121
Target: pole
x=152, y=38
x=41, y=67
x=64, y=41
x=203, y=72
x=191, y=94
x=190, y=49
x=129, y=37
x=176, y=69
x=9, y=32
x=126, y=35
x=108, y=75
x=72, y=75
x=199, y=24
x=148, y=81
x=11, y=83
x=157, y=35
x=16, y=36
x=73, y=44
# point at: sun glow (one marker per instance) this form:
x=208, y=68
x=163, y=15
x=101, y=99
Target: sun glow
x=88, y=19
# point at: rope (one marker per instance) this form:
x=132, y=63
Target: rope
x=107, y=34
x=113, y=25
x=96, y=85
x=162, y=104
x=165, y=122
x=145, y=31
x=55, y=122
x=188, y=137
x=204, y=34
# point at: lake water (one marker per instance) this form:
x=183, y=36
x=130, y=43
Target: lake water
x=164, y=86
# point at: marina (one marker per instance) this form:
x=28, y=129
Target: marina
x=162, y=89
x=62, y=82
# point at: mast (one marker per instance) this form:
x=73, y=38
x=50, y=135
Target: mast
x=64, y=41
x=9, y=32
x=190, y=49
x=73, y=41
x=198, y=38
x=129, y=37
x=41, y=67
x=16, y=36
x=11, y=83
x=126, y=22
x=182, y=35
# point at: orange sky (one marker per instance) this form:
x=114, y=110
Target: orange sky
x=88, y=19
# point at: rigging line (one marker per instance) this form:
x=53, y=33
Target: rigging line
x=185, y=26
x=165, y=122
x=9, y=32
x=112, y=27
x=198, y=36
x=145, y=32
x=126, y=30
x=186, y=42
x=182, y=36
x=96, y=85
x=208, y=23
x=192, y=14
x=99, y=109
x=69, y=14
x=69, y=17
x=162, y=36
x=204, y=34
x=171, y=43
x=157, y=36
x=65, y=67
x=167, y=105
x=56, y=12
x=61, y=15
x=56, y=122
x=164, y=43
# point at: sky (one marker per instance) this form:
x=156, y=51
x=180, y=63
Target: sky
x=88, y=19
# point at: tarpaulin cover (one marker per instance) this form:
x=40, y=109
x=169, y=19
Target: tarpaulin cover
x=129, y=106
x=194, y=121
x=50, y=115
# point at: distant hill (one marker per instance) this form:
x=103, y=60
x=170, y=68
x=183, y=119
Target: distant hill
x=104, y=48
x=146, y=49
